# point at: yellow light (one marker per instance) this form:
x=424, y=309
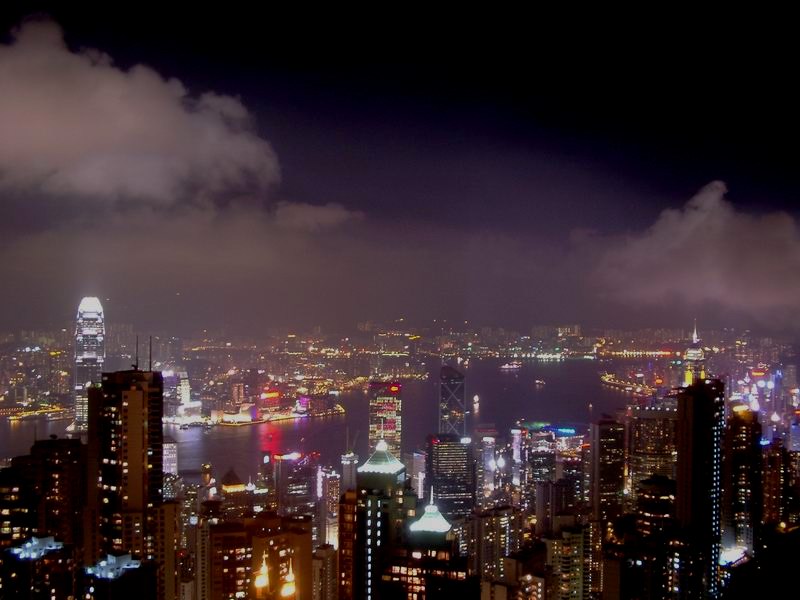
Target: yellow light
x=288, y=588
x=262, y=579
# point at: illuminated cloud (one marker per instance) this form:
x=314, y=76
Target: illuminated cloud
x=709, y=253
x=73, y=124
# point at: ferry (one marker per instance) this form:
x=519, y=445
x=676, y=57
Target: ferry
x=512, y=366
x=540, y=383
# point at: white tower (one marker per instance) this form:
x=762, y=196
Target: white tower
x=90, y=354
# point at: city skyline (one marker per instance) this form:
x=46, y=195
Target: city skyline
x=396, y=308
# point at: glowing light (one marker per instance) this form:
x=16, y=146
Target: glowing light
x=262, y=579
x=288, y=588
x=394, y=388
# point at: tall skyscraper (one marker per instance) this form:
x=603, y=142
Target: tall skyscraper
x=450, y=470
x=385, y=415
x=651, y=443
x=694, y=361
x=701, y=423
x=90, y=354
x=608, y=468
x=125, y=509
x=452, y=402
x=372, y=523
x=742, y=501
x=349, y=466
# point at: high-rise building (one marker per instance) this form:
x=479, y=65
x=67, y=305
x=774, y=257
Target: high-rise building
x=742, y=467
x=125, y=509
x=488, y=536
x=694, y=360
x=170, y=456
x=777, y=482
x=701, y=424
x=329, y=485
x=385, y=416
x=608, y=468
x=568, y=563
x=349, y=466
x=450, y=471
x=325, y=579
x=373, y=523
x=452, y=402
x=651, y=442
x=89, y=355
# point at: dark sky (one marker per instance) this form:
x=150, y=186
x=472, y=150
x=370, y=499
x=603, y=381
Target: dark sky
x=505, y=168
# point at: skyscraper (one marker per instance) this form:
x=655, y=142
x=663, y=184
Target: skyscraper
x=89, y=355
x=385, y=416
x=608, y=468
x=651, y=443
x=450, y=470
x=125, y=510
x=742, y=500
x=452, y=402
x=701, y=422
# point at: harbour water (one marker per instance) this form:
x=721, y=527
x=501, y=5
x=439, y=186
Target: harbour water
x=569, y=387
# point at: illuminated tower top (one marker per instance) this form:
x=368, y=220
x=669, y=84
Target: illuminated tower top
x=89, y=354
x=694, y=359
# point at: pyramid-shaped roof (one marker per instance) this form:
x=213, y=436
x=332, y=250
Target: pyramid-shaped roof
x=382, y=461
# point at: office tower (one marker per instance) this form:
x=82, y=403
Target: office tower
x=485, y=469
x=607, y=440
x=651, y=442
x=265, y=556
x=489, y=535
x=450, y=472
x=329, y=486
x=427, y=564
x=170, y=456
x=568, y=563
x=416, y=469
x=125, y=510
x=18, y=517
x=742, y=466
x=89, y=355
x=452, y=402
x=266, y=494
x=694, y=361
x=643, y=559
x=59, y=470
x=379, y=511
x=701, y=425
x=385, y=416
x=348, y=512
x=296, y=483
x=777, y=482
x=552, y=499
x=349, y=466
x=325, y=579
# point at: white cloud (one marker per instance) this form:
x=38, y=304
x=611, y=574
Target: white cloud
x=71, y=123
x=708, y=252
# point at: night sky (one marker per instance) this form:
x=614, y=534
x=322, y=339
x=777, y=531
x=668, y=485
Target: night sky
x=252, y=170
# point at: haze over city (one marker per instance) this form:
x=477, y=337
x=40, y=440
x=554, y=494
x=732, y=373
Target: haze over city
x=326, y=191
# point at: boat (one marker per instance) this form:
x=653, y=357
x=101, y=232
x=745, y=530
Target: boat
x=184, y=426
x=512, y=366
x=540, y=382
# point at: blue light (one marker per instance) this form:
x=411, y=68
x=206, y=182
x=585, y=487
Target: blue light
x=765, y=442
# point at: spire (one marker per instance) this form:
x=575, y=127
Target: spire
x=431, y=495
x=695, y=338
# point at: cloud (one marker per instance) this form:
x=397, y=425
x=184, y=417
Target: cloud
x=307, y=217
x=709, y=253
x=73, y=124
